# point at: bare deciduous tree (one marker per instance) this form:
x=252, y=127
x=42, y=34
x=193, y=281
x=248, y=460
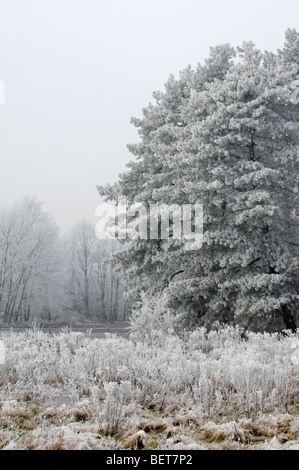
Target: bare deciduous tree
x=28, y=249
x=94, y=289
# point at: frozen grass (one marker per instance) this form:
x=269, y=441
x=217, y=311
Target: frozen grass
x=201, y=391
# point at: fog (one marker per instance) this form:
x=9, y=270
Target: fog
x=75, y=72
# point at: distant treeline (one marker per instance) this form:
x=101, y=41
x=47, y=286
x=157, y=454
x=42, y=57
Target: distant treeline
x=50, y=277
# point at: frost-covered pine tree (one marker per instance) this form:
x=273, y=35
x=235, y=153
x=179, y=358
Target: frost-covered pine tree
x=158, y=173
x=248, y=181
x=225, y=135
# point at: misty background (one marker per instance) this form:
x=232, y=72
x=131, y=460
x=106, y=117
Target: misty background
x=76, y=71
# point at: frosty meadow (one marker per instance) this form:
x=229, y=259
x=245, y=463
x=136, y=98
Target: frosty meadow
x=196, y=390
x=2, y=353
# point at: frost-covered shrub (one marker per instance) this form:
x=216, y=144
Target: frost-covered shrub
x=219, y=337
x=116, y=396
x=151, y=317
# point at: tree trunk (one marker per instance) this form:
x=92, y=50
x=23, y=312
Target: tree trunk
x=288, y=319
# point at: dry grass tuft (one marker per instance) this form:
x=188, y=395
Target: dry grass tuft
x=137, y=441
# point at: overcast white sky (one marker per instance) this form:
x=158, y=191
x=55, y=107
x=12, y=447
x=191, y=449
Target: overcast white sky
x=75, y=71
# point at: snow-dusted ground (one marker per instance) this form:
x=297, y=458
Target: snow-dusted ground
x=204, y=391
